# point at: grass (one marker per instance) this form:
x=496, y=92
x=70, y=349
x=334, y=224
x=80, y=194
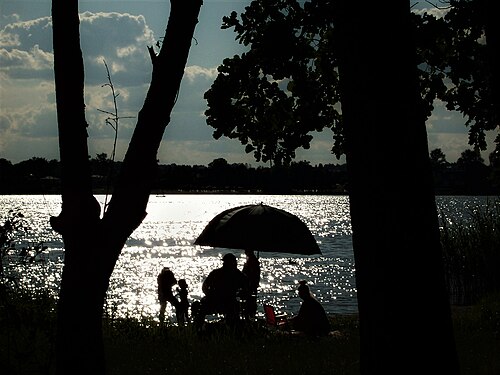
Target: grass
x=27, y=336
x=27, y=332
x=477, y=336
x=252, y=350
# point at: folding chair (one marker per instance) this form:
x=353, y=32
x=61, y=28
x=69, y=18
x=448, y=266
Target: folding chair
x=275, y=320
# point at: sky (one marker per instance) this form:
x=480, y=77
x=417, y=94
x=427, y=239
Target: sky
x=118, y=32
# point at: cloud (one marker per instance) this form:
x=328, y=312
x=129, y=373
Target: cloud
x=27, y=106
x=320, y=150
x=119, y=38
x=434, y=11
x=29, y=62
x=27, y=85
x=202, y=152
x=26, y=130
x=193, y=72
x=453, y=144
x=27, y=34
x=23, y=102
x=26, y=48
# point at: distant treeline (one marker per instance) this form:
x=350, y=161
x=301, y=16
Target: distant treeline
x=40, y=176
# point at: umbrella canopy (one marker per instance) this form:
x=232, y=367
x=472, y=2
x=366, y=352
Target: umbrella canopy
x=259, y=227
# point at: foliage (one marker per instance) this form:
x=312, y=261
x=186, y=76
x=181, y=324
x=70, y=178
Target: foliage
x=272, y=97
x=284, y=87
x=438, y=158
x=470, y=157
x=13, y=223
x=14, y=227
x=457, y=59
x=26, y=317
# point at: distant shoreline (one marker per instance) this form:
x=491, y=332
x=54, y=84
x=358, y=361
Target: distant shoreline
x=203, y=192
x=242, y=192
x=40, y=176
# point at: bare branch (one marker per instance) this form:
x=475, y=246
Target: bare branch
x=113, y=122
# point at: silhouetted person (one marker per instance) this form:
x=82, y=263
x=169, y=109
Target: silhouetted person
x=312, y=318
x=182, y=311
x=251, y=269
x=222, y=287
x=166, y=280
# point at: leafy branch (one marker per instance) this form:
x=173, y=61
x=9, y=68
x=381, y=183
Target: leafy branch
x=13, y=226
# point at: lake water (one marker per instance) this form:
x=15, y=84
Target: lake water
x=166, y=236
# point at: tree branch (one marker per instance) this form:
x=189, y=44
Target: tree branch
x=139, y=166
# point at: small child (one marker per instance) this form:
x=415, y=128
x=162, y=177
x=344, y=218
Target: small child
x=166, y=280
x=182, y=310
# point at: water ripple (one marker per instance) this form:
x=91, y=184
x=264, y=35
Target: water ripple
x=165, y=239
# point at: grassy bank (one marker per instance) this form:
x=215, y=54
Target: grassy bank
x=477, y=336
x=255, y=350
x=27, y=334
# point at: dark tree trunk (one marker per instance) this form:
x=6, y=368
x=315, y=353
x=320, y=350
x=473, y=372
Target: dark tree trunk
x=492, y=31
x=92, y=245
x=405, y=319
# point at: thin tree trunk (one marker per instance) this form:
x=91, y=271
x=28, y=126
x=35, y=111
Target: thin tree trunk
x=92, y=245
x=405, y=319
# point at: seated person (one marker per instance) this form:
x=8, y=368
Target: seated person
x=222, y=287
x=312, y=318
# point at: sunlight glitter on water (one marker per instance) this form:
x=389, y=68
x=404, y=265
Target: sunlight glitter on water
x=165, y=239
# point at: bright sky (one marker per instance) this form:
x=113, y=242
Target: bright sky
x=118, y=32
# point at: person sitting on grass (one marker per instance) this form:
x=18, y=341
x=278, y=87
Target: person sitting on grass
x=222, y=287
x=311, y=319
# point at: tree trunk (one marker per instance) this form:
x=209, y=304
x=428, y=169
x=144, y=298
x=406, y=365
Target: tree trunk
x=492, y=31
x=92, y=245
x=405, y=319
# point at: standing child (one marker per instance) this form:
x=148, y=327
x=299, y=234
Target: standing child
x=182, y=310
x=166, y=280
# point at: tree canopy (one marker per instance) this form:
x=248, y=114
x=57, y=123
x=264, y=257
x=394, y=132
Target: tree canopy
x=274, y=96
x=456, y=67
x=284, y=87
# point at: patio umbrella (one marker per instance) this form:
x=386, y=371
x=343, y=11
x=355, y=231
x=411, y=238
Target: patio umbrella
x=259, y=227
